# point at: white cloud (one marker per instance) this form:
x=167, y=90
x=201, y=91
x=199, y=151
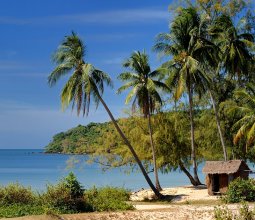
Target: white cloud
x=12, y=65
x=20, y=69
x=117, y=60
x=8, y=53
x=117, y=17
x=146, y=15
x=13, y=21
x=113, y=36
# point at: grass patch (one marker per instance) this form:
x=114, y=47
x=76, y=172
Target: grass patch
x=17, y=210
x=108, y=199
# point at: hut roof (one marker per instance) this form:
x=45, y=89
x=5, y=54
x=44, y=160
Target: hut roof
x=228, y=167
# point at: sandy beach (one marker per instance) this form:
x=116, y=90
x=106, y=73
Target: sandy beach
x=183, y=194
x=188, y=203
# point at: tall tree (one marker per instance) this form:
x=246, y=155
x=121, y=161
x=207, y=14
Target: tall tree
x=190, y=51
x=236, y=47
x=144, y=92
x=244, y=107
x=85, y=82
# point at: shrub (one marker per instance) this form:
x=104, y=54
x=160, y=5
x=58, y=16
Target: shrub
x=223, y=213
x=66, y=196
x=74, y=185
x=108, y=199
x=240, y=190
x=15, y=193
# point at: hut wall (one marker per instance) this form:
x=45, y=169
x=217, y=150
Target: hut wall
x=223, y=183
x=242, y=172
x=208, y=181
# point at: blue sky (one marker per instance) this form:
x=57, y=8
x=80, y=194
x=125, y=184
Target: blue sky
x=30, y=112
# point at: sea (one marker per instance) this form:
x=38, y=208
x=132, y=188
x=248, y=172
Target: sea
x=32, y=167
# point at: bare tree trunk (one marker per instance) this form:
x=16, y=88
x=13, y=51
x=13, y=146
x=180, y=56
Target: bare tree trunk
x=218, y=126
x=183, y=168
x=153, y=155
x=157, y=193
x=193, y=148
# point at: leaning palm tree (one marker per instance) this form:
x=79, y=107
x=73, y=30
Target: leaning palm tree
x=191, y=52
x=85, y=82
x=144, y=92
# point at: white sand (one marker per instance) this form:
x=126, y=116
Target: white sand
x=181, y=194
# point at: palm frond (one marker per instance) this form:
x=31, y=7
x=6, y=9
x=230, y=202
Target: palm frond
x=58, y=72
x=181, y=84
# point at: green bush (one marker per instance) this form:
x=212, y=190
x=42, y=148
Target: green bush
x=108, y=199
x=71, y=182
x=240, y=190
x=66, y=196
x=15, y=193
x=223, y=213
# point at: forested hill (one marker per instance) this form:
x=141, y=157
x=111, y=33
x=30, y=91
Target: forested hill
x=170, y=132
x=76, y=140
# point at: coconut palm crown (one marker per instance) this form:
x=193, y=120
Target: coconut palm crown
x=236, y=56
x=145, y=89
x=86, y=81
x=245, y=109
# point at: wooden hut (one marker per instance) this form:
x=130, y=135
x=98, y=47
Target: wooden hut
x=221, y=173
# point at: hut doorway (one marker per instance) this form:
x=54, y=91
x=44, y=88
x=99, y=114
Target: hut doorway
x=215, y=183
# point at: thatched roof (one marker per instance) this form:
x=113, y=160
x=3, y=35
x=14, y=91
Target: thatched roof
x=221, y=167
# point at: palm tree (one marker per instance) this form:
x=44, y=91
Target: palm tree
x=144, y=92
x=191, y=52
x=244, y=107
x=86, y=82
x=236, y=56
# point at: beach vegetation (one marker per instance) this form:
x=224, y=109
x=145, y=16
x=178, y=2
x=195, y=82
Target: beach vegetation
x=17, y=210
x=108, y=198
x=240, y=190
x=224, y=213
x=15, y=193
x=67, y=196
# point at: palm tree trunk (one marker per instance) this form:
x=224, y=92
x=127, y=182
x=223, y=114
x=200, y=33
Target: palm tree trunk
x=157, y=193
x=218, y=126
x=193, y=149
x=153, y=154
x=183, y=168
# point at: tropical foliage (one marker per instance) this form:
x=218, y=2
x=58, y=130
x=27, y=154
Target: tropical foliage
x=206, y=108
x=67, y=196
x=86, y=82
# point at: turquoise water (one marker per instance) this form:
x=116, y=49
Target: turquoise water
x=35, y=169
